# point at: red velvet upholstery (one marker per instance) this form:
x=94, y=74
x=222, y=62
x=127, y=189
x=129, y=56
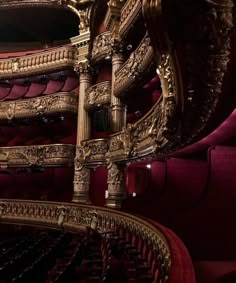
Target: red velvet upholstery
x=35, y=89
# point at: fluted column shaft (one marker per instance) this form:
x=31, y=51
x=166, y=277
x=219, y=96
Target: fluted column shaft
x=117, y=108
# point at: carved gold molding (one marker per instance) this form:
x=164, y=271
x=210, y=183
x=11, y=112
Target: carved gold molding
x=37, y=155
x=44, y=105
x=130, y=12
x=102, y=46
x=74, y=217
x=38, y=63
x=98, y=95
x=92, y=152
x=134, y=68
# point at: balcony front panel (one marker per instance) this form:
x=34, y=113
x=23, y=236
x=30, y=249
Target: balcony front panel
x=38, y=63
x=39, y=106
x=135, y=68
x=38, y=155
x=98, y=95
x=102, y=46
x=92, y=152
x=130, y=12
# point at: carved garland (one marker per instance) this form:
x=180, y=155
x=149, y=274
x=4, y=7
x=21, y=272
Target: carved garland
x=101, y=46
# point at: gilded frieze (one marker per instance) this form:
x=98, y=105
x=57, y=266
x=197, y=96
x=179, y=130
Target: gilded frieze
x=38, y=63
x=37, y=155
x=33, y=107
x=98, y=95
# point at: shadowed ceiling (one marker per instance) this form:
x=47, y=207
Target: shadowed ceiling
x=37, y=24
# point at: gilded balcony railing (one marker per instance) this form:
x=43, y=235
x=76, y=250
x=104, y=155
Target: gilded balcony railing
x=37, y=63
x=130, y=12
x=139, y=62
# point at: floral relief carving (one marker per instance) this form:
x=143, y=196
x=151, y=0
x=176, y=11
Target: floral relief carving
x=116, y=178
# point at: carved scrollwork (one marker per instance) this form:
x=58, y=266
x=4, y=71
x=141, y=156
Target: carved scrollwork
x=37, y=63
x=132, y=70
x=43, y=155
x=83, y=68
x=32, y=107
x=98, y=95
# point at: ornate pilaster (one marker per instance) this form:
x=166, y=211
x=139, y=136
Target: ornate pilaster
x=83, y=125
x=82, y=174
x=118, y=110
x=81, y=182
x=116, y=185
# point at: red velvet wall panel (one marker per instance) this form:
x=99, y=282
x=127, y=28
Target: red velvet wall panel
x=98, y=185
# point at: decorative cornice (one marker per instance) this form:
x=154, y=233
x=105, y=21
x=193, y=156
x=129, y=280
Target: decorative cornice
x=39, y=106
x=133, y=70
x=92, y=152
x=38, y=63
x=130, y=12
x=102, y=46
x=98, y=95
x=37, y=155
x=75, y=217
x=112, y=17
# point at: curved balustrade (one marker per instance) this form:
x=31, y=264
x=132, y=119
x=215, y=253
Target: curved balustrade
x=38, y=155
x=135, y=68
x=98, y=95
x=40, y=106
x=47, y=61
x=92, y=151
x=102, y=46
x=130, y=12
x=171, y=256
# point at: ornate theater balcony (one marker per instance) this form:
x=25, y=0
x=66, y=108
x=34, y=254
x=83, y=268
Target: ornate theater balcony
x=40, y=155
x=102, y=46
x=98, y=95
x=130, y=12
x=135, y=68
x=38, y=63
x=39, y=106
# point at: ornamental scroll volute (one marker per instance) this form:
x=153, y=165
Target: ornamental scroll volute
x=166, y=125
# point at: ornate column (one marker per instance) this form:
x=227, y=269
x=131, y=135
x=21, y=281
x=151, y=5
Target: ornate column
x=116, y=185
x=82, y=174
x=118, y=110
